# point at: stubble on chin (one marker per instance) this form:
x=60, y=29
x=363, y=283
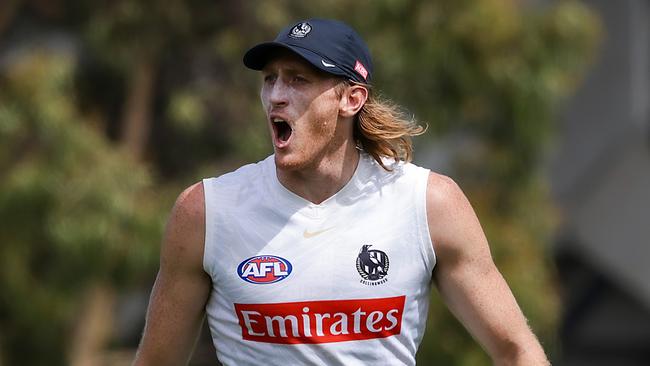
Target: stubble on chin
x=288, y=162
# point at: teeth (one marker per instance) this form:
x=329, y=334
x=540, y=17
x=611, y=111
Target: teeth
x=278, y=120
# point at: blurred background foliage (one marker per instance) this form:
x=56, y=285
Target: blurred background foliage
x=109, y=108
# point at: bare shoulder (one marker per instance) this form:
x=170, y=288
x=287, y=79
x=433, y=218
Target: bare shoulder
x=185, y=232
x=451, y=218
x=442, y=190
x=445, y=199
x=190, y=204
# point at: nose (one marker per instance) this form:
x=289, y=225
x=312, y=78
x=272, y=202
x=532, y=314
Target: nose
x=278, y=94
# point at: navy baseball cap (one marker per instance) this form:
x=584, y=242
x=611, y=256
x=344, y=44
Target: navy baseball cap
x=329, y=45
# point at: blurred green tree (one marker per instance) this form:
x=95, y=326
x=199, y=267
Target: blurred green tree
x=75, y=211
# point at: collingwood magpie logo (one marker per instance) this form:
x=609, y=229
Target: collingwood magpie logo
x=300, y=30
x=372, y=266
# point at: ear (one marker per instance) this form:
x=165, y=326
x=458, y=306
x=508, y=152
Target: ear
x=352, y=100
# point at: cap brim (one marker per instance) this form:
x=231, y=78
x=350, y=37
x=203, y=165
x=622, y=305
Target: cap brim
x=258, y=56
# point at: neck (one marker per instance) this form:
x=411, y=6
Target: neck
x=325, y=177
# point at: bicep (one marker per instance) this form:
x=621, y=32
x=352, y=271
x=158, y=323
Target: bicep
x=479, y=297
x=465, y=274
x=181, y=289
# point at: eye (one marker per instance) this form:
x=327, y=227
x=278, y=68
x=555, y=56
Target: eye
x=299, y=79
x=269, y=78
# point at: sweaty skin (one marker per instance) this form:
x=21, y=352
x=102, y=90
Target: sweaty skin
x=317, y=160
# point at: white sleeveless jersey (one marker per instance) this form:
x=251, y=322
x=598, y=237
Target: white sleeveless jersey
x=344, y=282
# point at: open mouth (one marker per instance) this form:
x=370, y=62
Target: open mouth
x=282, y=131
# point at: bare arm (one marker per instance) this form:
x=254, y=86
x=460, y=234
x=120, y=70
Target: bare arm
x=470, y=283
x=176, y=306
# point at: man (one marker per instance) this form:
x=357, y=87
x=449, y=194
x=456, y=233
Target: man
x=324, y=252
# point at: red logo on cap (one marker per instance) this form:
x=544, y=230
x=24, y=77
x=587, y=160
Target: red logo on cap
x=358, y=67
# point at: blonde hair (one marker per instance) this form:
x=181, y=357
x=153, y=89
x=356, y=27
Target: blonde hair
x=382, y=129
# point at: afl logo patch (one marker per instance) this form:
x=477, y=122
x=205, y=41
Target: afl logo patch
x=300, y=30
x=372, y=266
x=264, y=269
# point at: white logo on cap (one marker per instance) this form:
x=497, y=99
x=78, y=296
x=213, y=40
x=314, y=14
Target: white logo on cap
x=327, y=64
x=300, y=30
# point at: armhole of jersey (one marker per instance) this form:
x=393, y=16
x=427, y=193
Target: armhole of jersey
x=428, y=254
x=208, y=241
